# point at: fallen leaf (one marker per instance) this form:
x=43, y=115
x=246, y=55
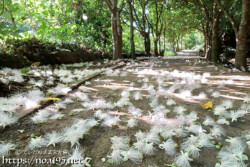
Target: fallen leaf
x=36, y=64
x=207, y=105
x=51, y=98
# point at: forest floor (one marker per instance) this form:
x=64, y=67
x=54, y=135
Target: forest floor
x=189, y=82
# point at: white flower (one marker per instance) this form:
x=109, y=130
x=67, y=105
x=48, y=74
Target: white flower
x=140, y=145
x=123, y=102
x=53, y=138
x=60, y=90
x=227, y=104
x=37, y=143
x=135, y=111
x=77, y=156
x=247, y=99
x=116, y=156
x=120, y=143
x=205, y=140
x=132, y=155
x=180, y=132
x=234, y=115
x=171, y=102
x=216, y=94
x=41, y=116
x=60, y=105
x=91, y=122
x=217, y=131
x=77, y=110
x=185, y=93
x=167, y=134
x=179, y=110
x=196, y=129
x=111, y=121
x=7, y=119
x=100, y=115
x=220, y=110
x=73, y=135
x=132, y=123
x=140, y=135
x=223, y=121
x=191, y=117
x=168, y=146
x=248, y=143
x=234, y=141
x=183, y=159
x=125, y=94
x=202, y=95
x=57, y=116
x=233, y=155
x=209, y=121
x=153, y=137
x=137, y=95
x=68, y=101
x=190, y=141
x=193, y=150
x=100, y=104
x=5, y=148
x=149, y=149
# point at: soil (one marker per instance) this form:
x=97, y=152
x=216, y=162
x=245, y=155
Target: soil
x=97, y=143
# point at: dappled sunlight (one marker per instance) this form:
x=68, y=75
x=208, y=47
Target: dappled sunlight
x=117, y=86
x=231, y=77
x=232, y=97
x=117, y=113
x=103, y=80
x=130, y=83
x=191, y=99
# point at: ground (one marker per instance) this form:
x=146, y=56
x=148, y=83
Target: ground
x=232, y=85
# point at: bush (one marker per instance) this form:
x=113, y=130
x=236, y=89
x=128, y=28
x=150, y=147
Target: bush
x=169, y=53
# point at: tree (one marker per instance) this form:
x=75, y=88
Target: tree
x=156, y=22
x=116, y=27
x=131, y=21
x=241, y=32
x=141, y=19
x=215, y=37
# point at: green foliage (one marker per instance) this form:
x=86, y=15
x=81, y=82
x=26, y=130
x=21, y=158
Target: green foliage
x=25, y=70
x=169, y=53
x=193, y=40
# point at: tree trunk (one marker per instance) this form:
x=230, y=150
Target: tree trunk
x=215, y=36
x=241, y=33
x=116, y=28
x=177, y=45
x=156, y=47
x=147, y=43
x=13, y=21
x=205, y=45
x=241, y=36
x=117, y=35
x=132, y=42
x=164, y=44
x=209, y=48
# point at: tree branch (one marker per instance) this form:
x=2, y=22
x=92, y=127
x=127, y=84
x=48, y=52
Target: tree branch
x=109, y=4
x=2, y=9
x=230, y=18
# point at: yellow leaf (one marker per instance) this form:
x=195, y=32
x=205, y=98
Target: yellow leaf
x=36, y=64
x=51, y=98
x=207, y=105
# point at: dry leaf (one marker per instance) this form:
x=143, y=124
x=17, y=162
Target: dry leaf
x=36, y=64
x=51, y=98
x=207, y=105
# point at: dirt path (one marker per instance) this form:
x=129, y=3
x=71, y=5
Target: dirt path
x=188, y=82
